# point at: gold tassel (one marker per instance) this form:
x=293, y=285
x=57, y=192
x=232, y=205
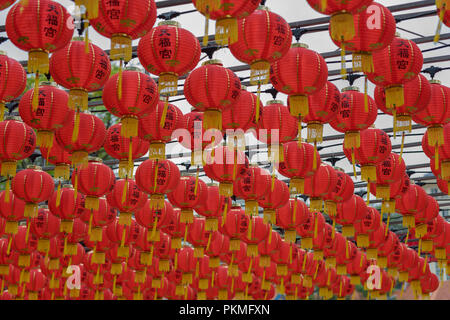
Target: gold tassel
x=251, y=207
x=226, y=31
x=212, y=119
x=164, y=113
x=387, y=224
x=45, y=138
x=297, y=186
x=206, y=36
x=121, y=48
x=91, y=203
x=259, y=72
x=129, y=127
x=342, y=27
x=299, y=105
x=314, y=132
x=383, y=192
x=38, y=62
x=394, y=97
x=58, y=194
x=316, y=204
x=306, y=243
x=372, y=253
x=366, y=97
x=8, y=168
x=343, y=61
x=196, y=180
x=11, y=227
x=315, y=156
x=352, y=140
x=258, y=103
x=76, y=127
x=86, y=39
x=30, y=210
x=168, y=85
x=226, y=189
x=78, y=99
x=2, y=111
x=35, y=100
x=7, y=189
x=369, y=173
x=362, y=240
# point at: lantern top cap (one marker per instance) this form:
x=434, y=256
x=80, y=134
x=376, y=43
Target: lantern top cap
x=261, y=7
x=3, y=53
x=78, y=38
x=170, y=23
x=12, y=117
x=351, y=88
x=243, y=87
x=397, y=34
x=49, y=83
x=300, y=45
x=212, y=184
x=133, y=68
x=95, y=159
x=33, y=167
x=274, y=102
x=435, y=81
x=212, y=61
x=43, y=206
x=67, y=185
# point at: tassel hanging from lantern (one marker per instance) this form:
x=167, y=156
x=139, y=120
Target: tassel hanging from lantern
x=369, y=173
x=30, y=210
x=259, y=73
x=38, y=62
x=164, y=113
x=297, y=186
x=86, y=39
x=445, y=170
x=352, y=140
x=435, y=136
x=212, y=119
x=362, y=240
x=315, y=132
x=45, y=138
x=226, y=189
x=226, y=31
x=168, y=84
x=78, y=99
x=383, y=192
x=366, y=96
x=35, y=99
x=62, y=171
x=91, y=203
x=388, y=206
x=299, y=105
x=121, y=49
x=394, y=96
x=129, y=127
x=76, y=127
x=315, y=204
x=58, y=195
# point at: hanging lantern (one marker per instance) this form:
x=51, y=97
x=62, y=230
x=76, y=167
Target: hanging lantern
x=266, y=249
x=355, y=113
x=213, y=208
x=17, y=142
x=198, y=237
x=153, y=218
x=157, y=135
x=59, y=157
x=94, y=180
x=44, y=226
x=443, y=11
x=33, y=186
x=130, y=98
x=272, y=42
x=125, y=149
x=96, y=220
x=50, y=114
x=300, y=162
x=169, y=52
x=375, y=147
x=157, y=178
x=212, y=88
x=422, y=218
x=439, y=156
x=258, y=232
x=392, y=169
x=394, y=66
x=188, y=194
x=299, y=74
x=396, y=190
x=342, y=191
x=81, y=135
x=123, y=22
x=349, y=213
x=13, y=79
x=275, y=128
x=79, y=71
x=320, y=184
x=242, y=113
x=310, y=229
x=290, y=217
x=64, y=205
x=53, y=29
x=235, y=225
x=413, y=201
x=417, y=94
x=276, y=198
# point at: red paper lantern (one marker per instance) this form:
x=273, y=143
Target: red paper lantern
x=319, y=185
x=257, y=232
x=343, y=190
x=234, y=225
x=276, y=198
x=44, y=226
x=66, y=206
x=154, y=218
x=310, y=229
x=33, y=186
x=122, y=23
x=94, y=180
x=50, y=114
x=443, y=11
x=299, y=74
x=13, y=79
x=394, y=66
x=413, y=201
x=82, y=134
x=213, y=208
x=212, y=88
x=289, y=217
x=151, y=130
x=80, y=71
x=242, y=112
x=349, y=213
x=417, y=94
x=254, y=184
x=37, y=283
x=130, y=98
x=423, y=217
x=396, y=190
x=59, y=157
x=11, y=210
x=392, y=169
x=263, y=38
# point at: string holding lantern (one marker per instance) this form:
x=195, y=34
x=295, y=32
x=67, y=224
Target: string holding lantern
x=46, y=15
x=212, y=89
x=272, y=42
x=443, y=7
x=13, y=80
x=79, y=71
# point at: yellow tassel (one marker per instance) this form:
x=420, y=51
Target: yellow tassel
x=91, y=203
x=120, y=81
x=45, y=138
x=124, y=191
x=8, y=168
x=367, y=64
x=35, y=100
x=316, y=224
x=86, y=39
x=58, y=195
x=369, y=173
x=435, y=136
x=226, y=31
x=297, y=186
x=212, y=119
x=299, y=105
x=387, y=224
x=352, y=140
x=394, y=97
x=164, y=113
x=314, y=132
x=259, y=73
x=30, y=210
x=315, y=156
x=2, y=111
x=38, y=62
x=206, y=36
x=383, y=192
x=226, y=189
x=196, y=180
x=7, y=190
x=129, y=127
x=362, y=240
x=342, y=27
x=76, y=127
x=168, y=84
x=62, y=171
x=316, y=204
x=258, y=102
x=121, y=48
x=372, y=253
x=343, y=61
x=78, y=99
x=366, y=98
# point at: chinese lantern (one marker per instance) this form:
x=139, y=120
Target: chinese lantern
x=130, y=98
x=263, y=38
x=94, y=180
x=417, y=94
x=53, y=30
x=153, y=218
x=59, y=157
x=212, y=89
x=275, y=128
x=126, y=197
x=396, y=190
x=198, y=236
x=299, y=74
x=423, y=217
x=50, y=114
x=435, y=115
x=65, y=206
x=412, y=202
x=188, y=194
x=258, y=231
x=320, y=184
x=290, y=217
x=356, y=112
x=125, y=149
x=79, y=71
x=156, y=135
x=242, y=113
x=214, y=206
x=394, y=66
x=276, y=198
x=435, y=228
x=37, y=283
x=310, y=229
x=81, y=135
x=300, y=162
x=169, y=52
x=343, y=190
x=234, y=225
x=17, y=142
x=375, y=147
x=45, y=226
x=33, y=186
x=350, y=212
x=390, y=170
x=370, y=35
x=157, y=178
x=12, y=211
x=443, y=7
x=13, y=79
x=123, y=22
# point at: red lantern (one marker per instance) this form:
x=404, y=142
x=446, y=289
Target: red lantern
x=44, y=226
x=276, y=198
x=128, y=23
x=94, y=181
x=394, y=66
x=17, y=142
x=258, y=231
x=242, y=113
x=80, y=71
x=374, y=148
x=151, y=130
x=130, y=98
x=213, y=208
x=417, y=94
x=66, y=206
x=169, y=52
x=369, y=223
x=234, y=225
x=226, y=165
x=33, y=186
x=443, y=11
x=423, y=217
x=392, y=169
x=310, y=229
x=122, y=148
x=13, y=79
x=320, y=184
x=275, y=128
x=413, y=201
x=299, y=74
x=154, y=218
x=12, y=211
x=356, y=112
x=289, y=217
x=82, y=134
x=49, y=116
x=188, y=194
x=59, y=157
x=350, y=212
x=212, y=88
x=263, y=38
x=343, y=190
x=37, y=283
